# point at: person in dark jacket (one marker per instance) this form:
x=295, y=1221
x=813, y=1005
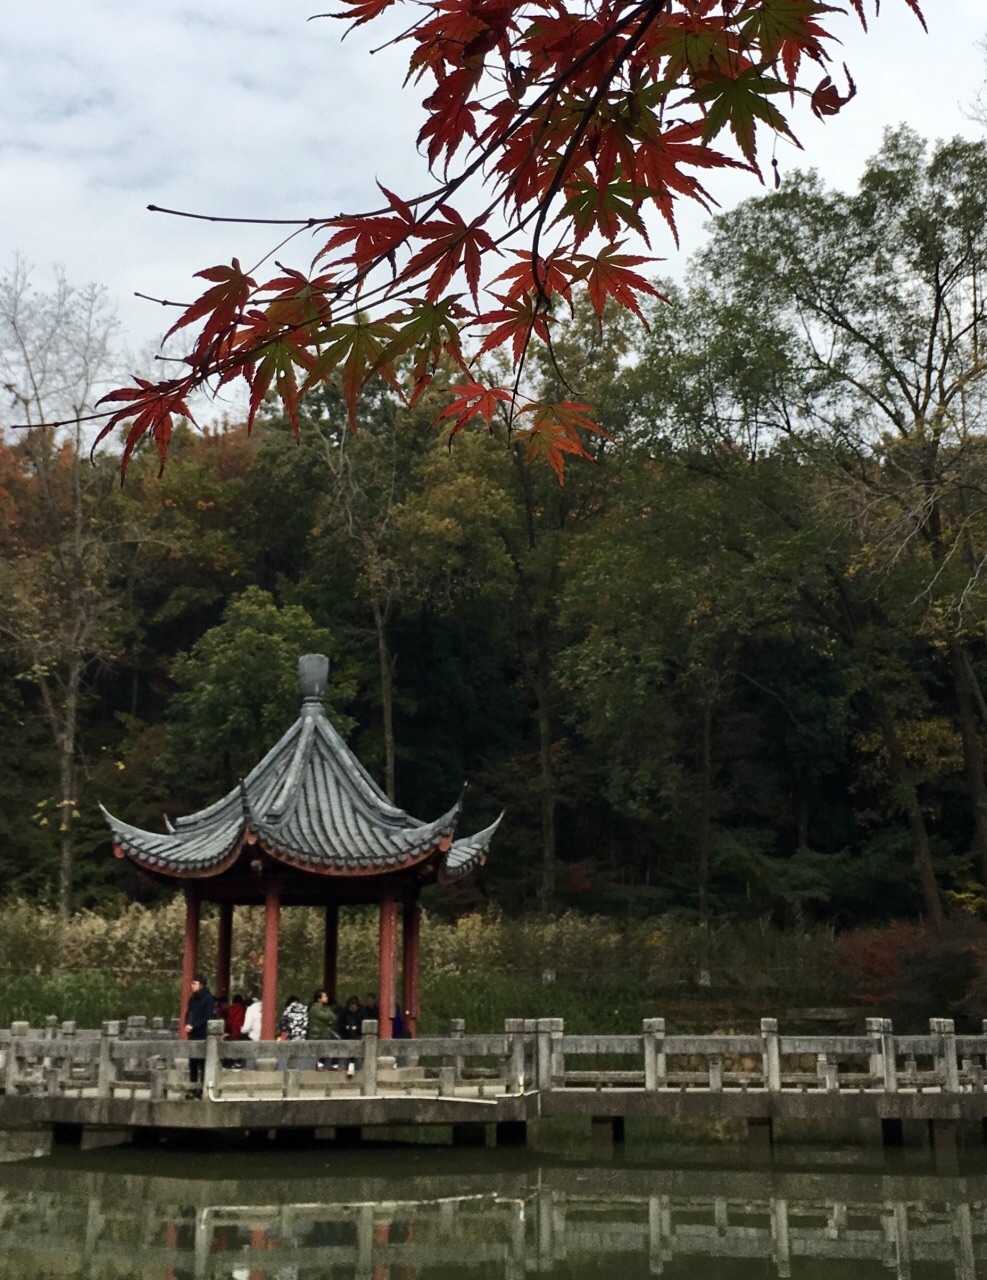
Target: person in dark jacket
x=199, y=1011
x=322, y=1023
x=350, y=1026
x=350, y=1020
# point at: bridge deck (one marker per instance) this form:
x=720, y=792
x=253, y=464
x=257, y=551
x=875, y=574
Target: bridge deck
x=139, y=1077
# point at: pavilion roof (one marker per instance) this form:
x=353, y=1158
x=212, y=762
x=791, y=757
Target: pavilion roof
x=311, y=804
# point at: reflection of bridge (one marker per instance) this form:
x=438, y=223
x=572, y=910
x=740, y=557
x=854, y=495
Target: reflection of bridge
x=136, y=1078
x=640, y=1221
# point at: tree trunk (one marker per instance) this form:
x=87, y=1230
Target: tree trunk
x=705, y=812
x=547, y=892
x=386, y=660
x=546, y=774
x=973, y=755
x=66, y=827
x=64, y=727
x=907, y=793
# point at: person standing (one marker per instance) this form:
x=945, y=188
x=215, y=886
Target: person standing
x=199, y=1011
x=294, y=1020
x=322, y=1024
x=235, y=1014
x=350, y=1026
x=251, y=1026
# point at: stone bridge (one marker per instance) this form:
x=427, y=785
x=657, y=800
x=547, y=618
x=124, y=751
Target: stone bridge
x=105, y=1085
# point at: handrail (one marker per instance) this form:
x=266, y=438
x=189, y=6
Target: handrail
x=529, y=1055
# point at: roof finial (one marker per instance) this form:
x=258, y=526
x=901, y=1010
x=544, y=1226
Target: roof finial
x=313, y=675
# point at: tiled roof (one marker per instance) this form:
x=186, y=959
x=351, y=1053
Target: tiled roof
x=309, y=803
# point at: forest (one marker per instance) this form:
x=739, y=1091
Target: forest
x=731, y=670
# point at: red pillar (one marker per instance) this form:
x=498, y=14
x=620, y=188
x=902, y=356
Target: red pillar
x=330, y=957
x=409, y=966
x=269, y=988
x=190, y=952
x=388, y=965
x=224, y=949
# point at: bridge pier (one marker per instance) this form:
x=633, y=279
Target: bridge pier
x=945, y=1145
x=760, y=1132
x=605, y=1133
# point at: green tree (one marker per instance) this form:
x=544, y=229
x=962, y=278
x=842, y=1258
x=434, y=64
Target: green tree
x=238, y=691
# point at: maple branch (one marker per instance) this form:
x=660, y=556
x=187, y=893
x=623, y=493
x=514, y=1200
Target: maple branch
x=162, y=302
x=258, y=222
x=560, y=175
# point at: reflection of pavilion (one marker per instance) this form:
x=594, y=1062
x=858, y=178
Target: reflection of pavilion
x=308, y=826
x=548, y=1220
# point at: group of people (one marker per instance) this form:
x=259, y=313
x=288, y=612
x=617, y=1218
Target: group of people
x=321, y=1019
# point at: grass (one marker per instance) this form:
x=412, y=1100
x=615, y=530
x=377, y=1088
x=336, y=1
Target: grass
x=596, y=973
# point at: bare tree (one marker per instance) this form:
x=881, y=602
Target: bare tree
x=58, y=611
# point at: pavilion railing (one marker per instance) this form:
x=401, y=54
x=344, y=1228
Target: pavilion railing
x=140, y=1058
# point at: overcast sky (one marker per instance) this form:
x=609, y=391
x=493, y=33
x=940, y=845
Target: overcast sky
x=242, y=107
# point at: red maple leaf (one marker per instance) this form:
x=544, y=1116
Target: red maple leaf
x=519, y=318
x=153, y=407
x=374, y=237
x=221, y=306
x=551, y=275
x=473, y=400
x=556, y=431
x=826, y=98
x=454, y=244
x=361, y=11
x=609, y=275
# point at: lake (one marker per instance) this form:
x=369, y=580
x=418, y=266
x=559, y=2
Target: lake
x=386, y=1211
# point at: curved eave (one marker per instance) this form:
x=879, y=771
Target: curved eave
x=349, y=871
x=467, y=855
x=382, y=851
x=176, y=854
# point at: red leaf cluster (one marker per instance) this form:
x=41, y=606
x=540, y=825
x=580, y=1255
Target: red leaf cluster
x=577, y=120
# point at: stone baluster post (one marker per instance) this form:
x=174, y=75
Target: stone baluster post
x=158, y=1065
x=875, y=1059
x=530, y=1028
x=543, y=1051
x=51, y=1027
x=944, y=1031
x=514, y=1033
x=557, y=1065
x=771, y=1055
x=883, y=1066
x=889, y=1053
x=18, y=1033
x=655, y=1063
x=457, y=1029
x=214, y=1042
x=106, y=1068
x=370, y=1058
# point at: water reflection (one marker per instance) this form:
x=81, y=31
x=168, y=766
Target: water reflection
x=562, y=1222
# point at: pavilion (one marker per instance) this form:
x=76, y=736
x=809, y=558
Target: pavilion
x=308, y=826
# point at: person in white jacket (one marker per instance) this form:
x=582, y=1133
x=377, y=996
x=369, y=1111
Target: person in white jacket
x=251, y=1021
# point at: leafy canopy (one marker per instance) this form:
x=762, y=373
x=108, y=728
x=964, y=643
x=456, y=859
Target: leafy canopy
x=553, y=129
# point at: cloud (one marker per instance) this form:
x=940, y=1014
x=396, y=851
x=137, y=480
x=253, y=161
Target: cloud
x=108, y=106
